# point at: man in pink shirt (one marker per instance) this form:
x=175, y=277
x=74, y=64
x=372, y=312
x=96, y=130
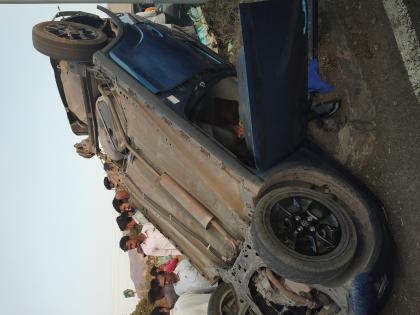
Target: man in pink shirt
x=169, y=266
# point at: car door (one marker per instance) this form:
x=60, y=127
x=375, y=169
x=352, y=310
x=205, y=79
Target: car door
x=273, y=78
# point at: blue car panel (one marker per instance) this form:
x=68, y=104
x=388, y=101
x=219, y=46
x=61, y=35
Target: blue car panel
x=159, y=60
x=275, y=48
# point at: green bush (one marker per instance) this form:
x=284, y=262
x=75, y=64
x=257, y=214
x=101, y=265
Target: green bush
x=143, y=308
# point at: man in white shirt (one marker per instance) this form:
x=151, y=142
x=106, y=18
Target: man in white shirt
x=155, y=244
x=138, y=217
x=185, y=279
x=150, y=241
x=187, y=304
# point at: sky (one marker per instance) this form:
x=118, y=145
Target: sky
x=58, y=236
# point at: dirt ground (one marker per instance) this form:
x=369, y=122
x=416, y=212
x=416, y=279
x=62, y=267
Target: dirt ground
x=376, y=133
x=223, y=19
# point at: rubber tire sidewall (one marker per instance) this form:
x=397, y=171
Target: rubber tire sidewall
x=358, y=206
x=64, y=49
x=216, y=298
x=300, y=267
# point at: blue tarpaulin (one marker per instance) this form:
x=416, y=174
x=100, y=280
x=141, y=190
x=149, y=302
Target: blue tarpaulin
x=315, y=83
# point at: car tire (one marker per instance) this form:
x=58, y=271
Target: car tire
x=78, y=43
x=220, y=299
x=283, y=236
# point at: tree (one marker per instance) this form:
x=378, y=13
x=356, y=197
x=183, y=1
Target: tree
x=128, y=293
x=143, y=307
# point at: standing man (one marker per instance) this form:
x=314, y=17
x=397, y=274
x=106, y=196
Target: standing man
x=185, y=279
x=126, y=223
x=109, y=184
x=120, y=206
x=187, y=304
x=150, y=242
x=112, y=180
x=122, y=195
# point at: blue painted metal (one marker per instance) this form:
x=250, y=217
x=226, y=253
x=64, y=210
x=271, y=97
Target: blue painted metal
x=159, y=59
x=362, y=297
x=275, y=49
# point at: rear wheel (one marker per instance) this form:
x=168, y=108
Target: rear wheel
x=63, y=40
x=223, y=301
x=312, y=224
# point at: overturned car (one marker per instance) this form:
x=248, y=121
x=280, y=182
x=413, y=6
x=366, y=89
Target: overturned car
x=218, y=158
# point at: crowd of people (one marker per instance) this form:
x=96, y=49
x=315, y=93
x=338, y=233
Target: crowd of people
x=176, y=286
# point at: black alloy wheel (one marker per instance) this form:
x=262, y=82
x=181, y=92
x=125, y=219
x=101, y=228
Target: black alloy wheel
x=305, y=225
x=72, y=31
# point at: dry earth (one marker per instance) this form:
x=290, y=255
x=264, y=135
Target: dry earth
x=376, y=133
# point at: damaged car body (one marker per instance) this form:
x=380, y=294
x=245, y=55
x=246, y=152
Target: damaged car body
x=280, y=225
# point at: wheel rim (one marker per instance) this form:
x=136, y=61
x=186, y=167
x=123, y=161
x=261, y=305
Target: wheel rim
x=305, y=225
x=72, y=31
x=228, y=305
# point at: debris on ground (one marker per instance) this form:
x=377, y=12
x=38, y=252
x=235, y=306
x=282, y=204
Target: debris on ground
x=223, y=20
x=205, y=36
